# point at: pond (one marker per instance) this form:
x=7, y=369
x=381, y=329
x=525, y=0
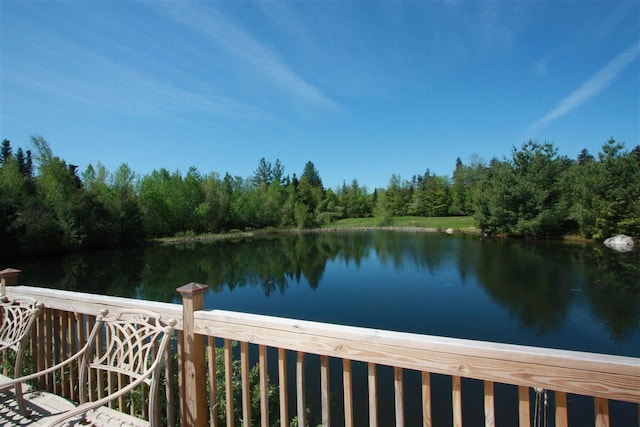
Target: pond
x=547, y=294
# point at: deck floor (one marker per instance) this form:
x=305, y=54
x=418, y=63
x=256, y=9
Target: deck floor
x=41, y=404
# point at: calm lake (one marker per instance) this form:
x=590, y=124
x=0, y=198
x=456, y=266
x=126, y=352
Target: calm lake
x=556, y=295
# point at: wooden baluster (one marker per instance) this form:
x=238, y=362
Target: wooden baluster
x=523, y=406
x=325, y=390
x=74, y=333
x=456, y=398
x=169, y=387
x=398, y=382
x=228, y=383
x=73, y=368
x=246, y=387
x=300, y=400
x=62, y=351
x=42, y=350
x=602, y=412
x=213, y=382
x=489, y=406
x=561, y=409
x=426, y=399
x=91, y=378
x=55, y=322
x=348, y=392
x=264, y=387
x=282, y=386
x=48, y=347
x=373, y=395
x=181, y=399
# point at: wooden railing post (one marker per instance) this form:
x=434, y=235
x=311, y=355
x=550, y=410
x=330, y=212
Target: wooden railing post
x=194, y=394
x=8, y=277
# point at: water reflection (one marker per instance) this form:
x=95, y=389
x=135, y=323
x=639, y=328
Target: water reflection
x=538, y=284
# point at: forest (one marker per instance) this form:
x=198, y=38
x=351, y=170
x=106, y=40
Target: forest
x=49, y=207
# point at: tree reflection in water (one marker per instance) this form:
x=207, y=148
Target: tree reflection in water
x=538, y=283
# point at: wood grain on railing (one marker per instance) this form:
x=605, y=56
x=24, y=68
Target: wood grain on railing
x=426, y=399
x=373, y=394
x=604, y=377
x=398, y=382
x=300, y=391
x=228, y=381
x=489, y=405
x=282, y=386
x=598, y=375
x=264, y=387
x=325, y=391
x=561, y=409
x=246, y=387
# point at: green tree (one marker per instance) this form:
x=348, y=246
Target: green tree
x=311, y=175
x=398, y=195
x=606, y=193
x=278, y=171
x=524, y=196
x=5, y=150
x=465, y=185
x=59, y=187
x=432, y=195
x=125, y=207
x=14, y=193
x=263, y=174
x=310, y=194
x=154, y=207
x=382, y=211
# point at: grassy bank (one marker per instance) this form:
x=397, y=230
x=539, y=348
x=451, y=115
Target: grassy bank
x=458, y=223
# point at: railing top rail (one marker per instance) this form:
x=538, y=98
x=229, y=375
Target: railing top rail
x=85, y=303
x=601, y=375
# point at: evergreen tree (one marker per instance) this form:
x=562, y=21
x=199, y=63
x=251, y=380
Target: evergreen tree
x=5, y=150
x=278, y=171
x=311, y=175
x=263, y=174
x=606, y=193
x=524, y=196
x=22, y=164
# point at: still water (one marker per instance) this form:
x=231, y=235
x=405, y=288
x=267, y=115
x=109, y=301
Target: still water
x=555, y=295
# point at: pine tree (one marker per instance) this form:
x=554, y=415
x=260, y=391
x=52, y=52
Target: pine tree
x=5, y=150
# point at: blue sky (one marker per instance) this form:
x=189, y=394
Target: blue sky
x=363, y=89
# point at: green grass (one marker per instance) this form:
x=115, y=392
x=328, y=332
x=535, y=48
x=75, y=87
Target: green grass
x=458, y=223
x=461, y=223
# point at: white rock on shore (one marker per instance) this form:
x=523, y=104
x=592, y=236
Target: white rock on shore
x=620, y=243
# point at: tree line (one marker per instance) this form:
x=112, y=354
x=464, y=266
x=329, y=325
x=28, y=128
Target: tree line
x=535, y=193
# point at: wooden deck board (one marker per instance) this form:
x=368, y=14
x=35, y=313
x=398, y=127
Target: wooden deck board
x=43, y=404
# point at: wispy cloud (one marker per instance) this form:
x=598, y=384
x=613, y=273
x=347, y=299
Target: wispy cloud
x=99, y=82
x=253, y=54
x=596, y=84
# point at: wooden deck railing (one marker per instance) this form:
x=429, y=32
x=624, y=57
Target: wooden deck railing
x=69, y=314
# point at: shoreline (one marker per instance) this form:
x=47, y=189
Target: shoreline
x=275, y=231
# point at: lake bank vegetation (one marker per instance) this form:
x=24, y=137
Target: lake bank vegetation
x=47, y=206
